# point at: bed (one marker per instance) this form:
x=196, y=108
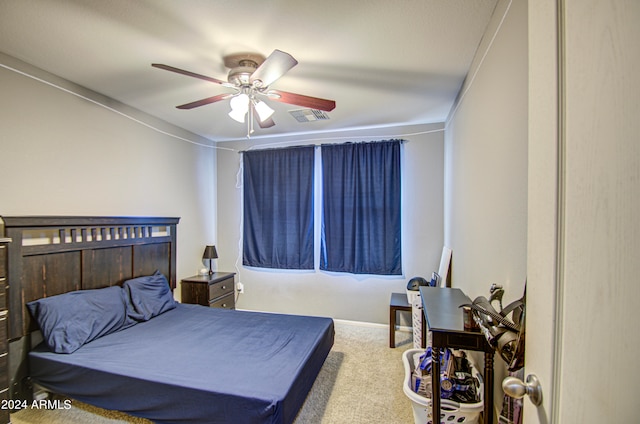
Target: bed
x=128, y=346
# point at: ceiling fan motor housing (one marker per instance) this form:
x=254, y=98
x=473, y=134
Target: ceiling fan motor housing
x=240, y=75
x=242, y=66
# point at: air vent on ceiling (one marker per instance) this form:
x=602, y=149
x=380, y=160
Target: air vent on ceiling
x=308, y=115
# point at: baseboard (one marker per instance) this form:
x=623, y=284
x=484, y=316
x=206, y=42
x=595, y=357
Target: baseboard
x=372, y=324
x=403, y=328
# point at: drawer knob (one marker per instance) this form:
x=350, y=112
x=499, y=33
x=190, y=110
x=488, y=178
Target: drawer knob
x=224, y=287
x=224, y=305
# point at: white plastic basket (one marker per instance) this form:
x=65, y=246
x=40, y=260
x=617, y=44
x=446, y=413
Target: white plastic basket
x=450, y=412
x=412, y=295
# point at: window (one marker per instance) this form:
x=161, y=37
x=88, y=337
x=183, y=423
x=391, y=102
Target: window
x=278, y=208
x=361, y=220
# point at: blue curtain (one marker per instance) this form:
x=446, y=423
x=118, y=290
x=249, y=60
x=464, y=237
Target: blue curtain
x=278, y=208
x=361, y=224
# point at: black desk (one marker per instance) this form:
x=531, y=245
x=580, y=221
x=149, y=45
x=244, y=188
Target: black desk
x=445, y=321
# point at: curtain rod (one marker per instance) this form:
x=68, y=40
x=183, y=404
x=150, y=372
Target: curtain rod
x=402, y=141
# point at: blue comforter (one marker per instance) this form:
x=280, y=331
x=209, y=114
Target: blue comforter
x=196, y=364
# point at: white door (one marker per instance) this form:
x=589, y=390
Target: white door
x=584, y=210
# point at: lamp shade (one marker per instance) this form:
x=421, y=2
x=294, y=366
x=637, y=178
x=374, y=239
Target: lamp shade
x=238, y=116
x=239, y=107
x=210, y=252
x=264, y=111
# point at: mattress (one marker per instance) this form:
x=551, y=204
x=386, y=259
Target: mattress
x=196, y=364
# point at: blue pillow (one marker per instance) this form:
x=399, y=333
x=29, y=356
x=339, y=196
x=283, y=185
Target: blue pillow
x=147, y=297
x=70, y=320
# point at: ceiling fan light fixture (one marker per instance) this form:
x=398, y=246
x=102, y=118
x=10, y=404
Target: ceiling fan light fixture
x=237, y=116
x=239, y=107
x=263, y=110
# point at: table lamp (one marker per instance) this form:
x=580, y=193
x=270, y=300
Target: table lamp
x=210, y=253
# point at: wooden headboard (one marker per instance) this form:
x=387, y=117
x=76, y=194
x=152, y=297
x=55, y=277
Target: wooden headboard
x=51, y=255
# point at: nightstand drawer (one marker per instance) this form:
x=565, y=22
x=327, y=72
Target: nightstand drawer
x=226, y=302
x=221, y=288
x=4, y=370
x=3, y=332
x=3, y=294
x=3, y=256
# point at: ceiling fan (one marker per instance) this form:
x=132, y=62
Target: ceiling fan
x=250, y=76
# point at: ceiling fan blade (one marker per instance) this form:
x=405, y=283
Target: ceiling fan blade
x=274, y=66
x=206, y=101
x=191, y=74
x=301, y=100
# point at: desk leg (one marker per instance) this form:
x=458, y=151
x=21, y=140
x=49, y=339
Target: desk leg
x=488, y=387
x=392, y=327
x=435, y=385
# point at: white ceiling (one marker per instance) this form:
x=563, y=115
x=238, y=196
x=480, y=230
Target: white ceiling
x=384, y=62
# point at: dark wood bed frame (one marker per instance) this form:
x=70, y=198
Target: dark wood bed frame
x=51, y=255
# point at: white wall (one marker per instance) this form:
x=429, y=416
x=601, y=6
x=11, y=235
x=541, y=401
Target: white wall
x=343, y=296
x=486, y=166
x=63, y=155
x=486, y=162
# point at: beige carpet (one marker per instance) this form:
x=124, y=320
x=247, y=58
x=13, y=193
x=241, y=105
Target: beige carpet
x=360, y=382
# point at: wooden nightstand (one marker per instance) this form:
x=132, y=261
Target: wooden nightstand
x=4, y=344
x=216, y=290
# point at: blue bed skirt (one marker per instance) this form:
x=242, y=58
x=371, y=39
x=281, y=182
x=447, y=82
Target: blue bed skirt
x=195, y=364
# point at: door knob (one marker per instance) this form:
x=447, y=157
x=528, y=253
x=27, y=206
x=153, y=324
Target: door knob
x=515, y=388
